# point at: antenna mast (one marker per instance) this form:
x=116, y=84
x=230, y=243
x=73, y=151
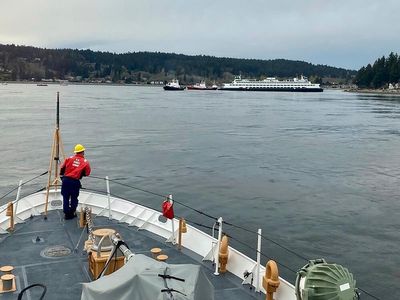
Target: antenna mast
x=57, y=147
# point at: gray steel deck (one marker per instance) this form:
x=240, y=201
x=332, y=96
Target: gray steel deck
x=63, y=275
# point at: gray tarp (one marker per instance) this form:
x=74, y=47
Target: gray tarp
x=139, y=280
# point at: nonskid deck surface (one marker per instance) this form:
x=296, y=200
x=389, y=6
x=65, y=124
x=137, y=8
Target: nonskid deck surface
x=63, y=275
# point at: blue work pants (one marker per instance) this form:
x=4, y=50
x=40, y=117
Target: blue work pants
x=70, y=192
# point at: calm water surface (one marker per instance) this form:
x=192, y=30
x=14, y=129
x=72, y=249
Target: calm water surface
x=319, y=173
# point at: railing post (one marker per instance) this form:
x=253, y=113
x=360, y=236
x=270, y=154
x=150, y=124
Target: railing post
x=258, y=260
x=108, y=197
x=172, y=223
x=17, y=198
x=218, y=246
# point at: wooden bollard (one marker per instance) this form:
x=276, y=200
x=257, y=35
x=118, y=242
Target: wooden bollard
x=162, y=257
x=7, y=281
x=155, y=252
x=10, y=213
x=182, y=229
x=223, y=254
x=82, y=218
x=7, y=269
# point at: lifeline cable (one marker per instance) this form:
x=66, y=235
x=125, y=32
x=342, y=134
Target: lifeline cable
x=198, y=211
x=268, y=239
x=364, y=291
x=22, y=184
x=263, y=254
x=225, y=222
x=156, y=194
x=199, y=224
x=205, y=214
x=37, y=191
x=209, y=227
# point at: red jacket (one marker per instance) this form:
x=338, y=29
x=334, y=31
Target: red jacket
x=75, y=167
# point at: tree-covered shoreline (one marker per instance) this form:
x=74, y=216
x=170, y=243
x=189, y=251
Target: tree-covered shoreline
x=383, y=73
x=22, y=63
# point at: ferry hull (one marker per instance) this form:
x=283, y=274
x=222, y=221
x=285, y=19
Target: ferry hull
x=270, y=89
x=201, y=89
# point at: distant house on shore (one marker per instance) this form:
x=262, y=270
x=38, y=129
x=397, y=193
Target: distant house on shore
x=395, y=86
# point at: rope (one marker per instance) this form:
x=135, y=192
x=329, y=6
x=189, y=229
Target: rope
x=31, y=286
x=108, y=262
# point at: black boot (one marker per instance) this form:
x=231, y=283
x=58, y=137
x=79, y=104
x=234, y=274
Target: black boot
x=68, y=216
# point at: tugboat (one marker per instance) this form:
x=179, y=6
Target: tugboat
x=202, y=86
x=173, y=85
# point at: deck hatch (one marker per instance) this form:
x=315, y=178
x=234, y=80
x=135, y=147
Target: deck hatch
x=55, y=251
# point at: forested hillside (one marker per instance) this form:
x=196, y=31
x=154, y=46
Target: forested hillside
x=30, y=63
x=383, y=72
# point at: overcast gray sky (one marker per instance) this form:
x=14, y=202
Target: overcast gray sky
x=341, y=33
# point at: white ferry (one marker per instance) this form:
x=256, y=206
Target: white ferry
x=271, y=84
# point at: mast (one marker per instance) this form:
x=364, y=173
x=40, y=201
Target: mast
x=57, y=148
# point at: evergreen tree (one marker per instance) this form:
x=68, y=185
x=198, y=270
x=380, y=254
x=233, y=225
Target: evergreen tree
x=383, y=72
x=22, y=62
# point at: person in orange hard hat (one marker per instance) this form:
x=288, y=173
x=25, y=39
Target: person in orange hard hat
x=72, y=170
